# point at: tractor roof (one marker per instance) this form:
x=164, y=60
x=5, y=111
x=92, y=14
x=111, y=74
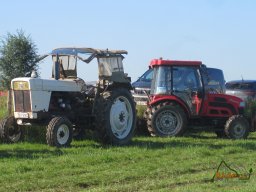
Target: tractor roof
x=81, y=52
x=160, y=62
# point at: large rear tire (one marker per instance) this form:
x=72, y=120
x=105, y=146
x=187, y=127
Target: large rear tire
x=167, y=119
x=237, y=127
x=115, y=117
x=59, y=132
x=10, y=131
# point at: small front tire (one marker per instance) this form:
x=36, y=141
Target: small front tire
x=10, y=131
x=59, y=132
x=237, y=127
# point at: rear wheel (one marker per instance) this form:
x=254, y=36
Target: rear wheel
x=59, y=132
x=167, y=119
x=237, y=127
x=115, y=117
x=10, y=132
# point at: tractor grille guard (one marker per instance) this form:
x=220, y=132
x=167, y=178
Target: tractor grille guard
x=22, y=101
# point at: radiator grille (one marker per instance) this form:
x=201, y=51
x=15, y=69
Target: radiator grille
x=22, y=101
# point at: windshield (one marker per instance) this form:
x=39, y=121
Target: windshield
x=169, y=79
x=107, y=65
x=67, y=61
x=67, y=65
x=162, y=80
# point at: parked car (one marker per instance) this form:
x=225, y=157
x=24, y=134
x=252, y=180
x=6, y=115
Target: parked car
x=245, y=89
x=142, y=86
x=213, y=82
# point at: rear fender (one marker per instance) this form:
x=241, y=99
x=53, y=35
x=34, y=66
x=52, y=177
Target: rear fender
x=120, y=85
x=169, y=98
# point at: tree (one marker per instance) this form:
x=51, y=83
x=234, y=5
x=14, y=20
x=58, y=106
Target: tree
x=18, y=57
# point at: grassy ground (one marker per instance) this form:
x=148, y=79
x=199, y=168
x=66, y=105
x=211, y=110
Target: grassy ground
x=147, y=164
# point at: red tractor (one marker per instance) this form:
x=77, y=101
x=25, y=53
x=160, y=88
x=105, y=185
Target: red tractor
x=179, y=98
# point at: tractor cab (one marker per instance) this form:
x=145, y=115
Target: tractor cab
x=110, y=63
x=179, y=79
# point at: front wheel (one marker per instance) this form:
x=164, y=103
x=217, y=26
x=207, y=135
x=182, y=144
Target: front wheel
x=167, y=119
x=59, y=132
x=10, y=131
x=237, y=127
x=115, y=117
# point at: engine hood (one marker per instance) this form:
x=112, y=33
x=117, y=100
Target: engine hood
x=37, y=84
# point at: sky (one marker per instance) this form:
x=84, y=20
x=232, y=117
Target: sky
x=220, y=33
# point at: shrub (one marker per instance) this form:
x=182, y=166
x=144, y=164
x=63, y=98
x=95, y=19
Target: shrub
x=3, y=106
x=250, y=108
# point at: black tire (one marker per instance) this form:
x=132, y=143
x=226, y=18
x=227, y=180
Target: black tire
x=167, y=119
x=59, y=132
x=79, y=134
x=141, y=127
x=10, y=131
x=148, y=117
x=221, y=134
x=115, y=117
x=237, y=127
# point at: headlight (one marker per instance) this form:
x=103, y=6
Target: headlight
x=20, y=85
x=242, y=104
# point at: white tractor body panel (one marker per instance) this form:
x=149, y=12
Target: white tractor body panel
x=61, y=85
x=40, y=100
x=40, y=93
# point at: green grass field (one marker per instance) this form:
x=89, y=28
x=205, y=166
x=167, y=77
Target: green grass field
x=148, y=164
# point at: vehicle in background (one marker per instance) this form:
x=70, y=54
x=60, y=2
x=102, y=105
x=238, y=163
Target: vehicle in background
x=213, y=82
x=245, y=89
x=141, y=87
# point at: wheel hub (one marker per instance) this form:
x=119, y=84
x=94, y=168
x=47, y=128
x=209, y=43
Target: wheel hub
x=167, y=122
x=238, y=130
x=119, y=114
x=62, y=134
x=121, y=117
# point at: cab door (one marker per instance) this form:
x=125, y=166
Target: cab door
x=187, y=86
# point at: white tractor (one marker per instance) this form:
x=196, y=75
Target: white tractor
x=67, y=106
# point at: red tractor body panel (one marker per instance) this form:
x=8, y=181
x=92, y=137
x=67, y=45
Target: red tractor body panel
x=213, y=105
x=220, y=105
